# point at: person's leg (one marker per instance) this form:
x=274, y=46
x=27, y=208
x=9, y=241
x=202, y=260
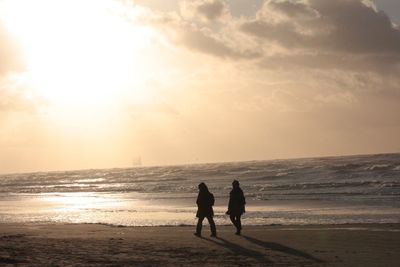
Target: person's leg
x=233, y=220
x=232, y=217
x=212, y=226
x=199, y=226
x=239, y=224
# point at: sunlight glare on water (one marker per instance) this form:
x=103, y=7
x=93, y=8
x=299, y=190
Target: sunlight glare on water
x=80, y=201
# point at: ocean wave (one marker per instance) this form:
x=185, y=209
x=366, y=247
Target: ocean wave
x=370, y=174
x=347, y=167
x=378, y=167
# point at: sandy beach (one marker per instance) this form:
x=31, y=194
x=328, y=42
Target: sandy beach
x=103, y=245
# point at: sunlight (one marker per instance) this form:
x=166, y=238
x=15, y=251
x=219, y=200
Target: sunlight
x=78, y=51
x=78, y=201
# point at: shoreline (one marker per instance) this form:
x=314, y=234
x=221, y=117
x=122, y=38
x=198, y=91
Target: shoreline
x=363, y=225
x=38, y=244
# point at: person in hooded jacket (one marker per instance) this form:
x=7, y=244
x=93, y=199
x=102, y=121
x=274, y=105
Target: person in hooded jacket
x=236, y=206
x=205, y=201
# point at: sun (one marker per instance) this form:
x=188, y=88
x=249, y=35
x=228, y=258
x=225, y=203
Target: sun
x=79, y=51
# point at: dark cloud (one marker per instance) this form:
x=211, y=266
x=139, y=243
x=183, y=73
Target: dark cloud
x=211, y=9
x=316, y=34
x=10, y=54
x=337, y=26
x=357, y=27
x=340, y=34
x=292, y=9
x=206, y=10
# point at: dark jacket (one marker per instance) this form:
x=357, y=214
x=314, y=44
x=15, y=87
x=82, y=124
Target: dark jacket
x=237, y=202
x=205, y=201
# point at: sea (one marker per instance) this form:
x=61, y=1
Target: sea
x=328, y=190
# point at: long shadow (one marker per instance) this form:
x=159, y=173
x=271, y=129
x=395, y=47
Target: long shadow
x=10, y=261
x=281, y=248
x=239, y=250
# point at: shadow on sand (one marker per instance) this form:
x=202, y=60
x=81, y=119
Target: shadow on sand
x=239, y=250
x=281, y=248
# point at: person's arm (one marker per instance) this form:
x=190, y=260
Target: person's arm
x=229, y=204
x=212, y=199
x=242, y=199
x=198, y=200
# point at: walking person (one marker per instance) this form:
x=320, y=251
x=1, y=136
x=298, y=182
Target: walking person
x=236, y=206
x=205, y=201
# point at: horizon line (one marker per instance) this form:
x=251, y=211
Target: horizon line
x=201, y=163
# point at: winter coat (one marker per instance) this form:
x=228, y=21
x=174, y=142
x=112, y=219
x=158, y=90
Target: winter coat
x=205, y=201
x=237, y=202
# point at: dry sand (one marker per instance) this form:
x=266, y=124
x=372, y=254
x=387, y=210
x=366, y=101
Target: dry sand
x=102, y=245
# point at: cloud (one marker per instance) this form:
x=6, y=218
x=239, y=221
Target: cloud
x=203, y=40
x=383, y=64
x=10, y=53
x=351, y=35
x=275, y=11
x=343, y=25
x=15, y=99
x=208, y=10
x=218, y=40
x=206, y=26
x=340, y=34
x=358, y=28
x=13, y=96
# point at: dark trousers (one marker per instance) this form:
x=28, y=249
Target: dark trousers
x=236, y=222
x=210, y=221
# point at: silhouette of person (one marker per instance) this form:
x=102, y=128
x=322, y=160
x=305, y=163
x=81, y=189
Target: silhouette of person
x=236, y=205
x=205, y=201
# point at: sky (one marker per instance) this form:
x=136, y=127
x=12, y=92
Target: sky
x=102, y=83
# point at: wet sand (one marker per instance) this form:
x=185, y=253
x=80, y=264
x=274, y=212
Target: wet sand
x=102, y=245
